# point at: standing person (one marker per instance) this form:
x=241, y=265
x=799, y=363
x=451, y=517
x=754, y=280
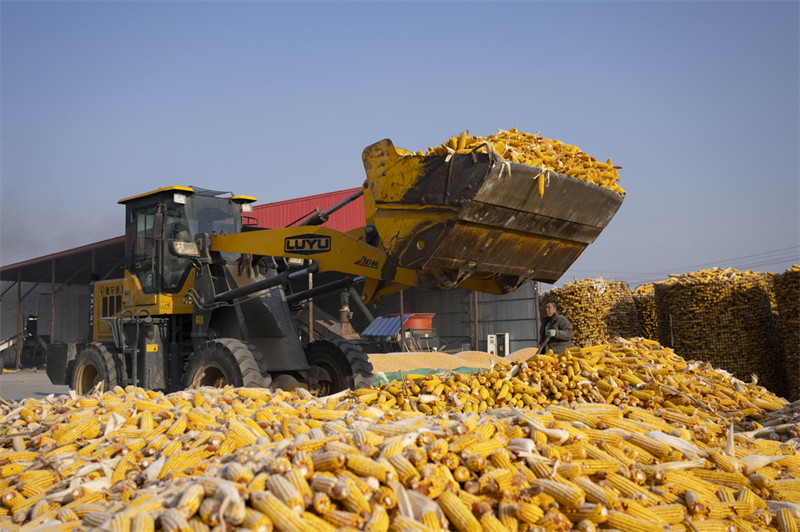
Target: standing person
x=557, y=328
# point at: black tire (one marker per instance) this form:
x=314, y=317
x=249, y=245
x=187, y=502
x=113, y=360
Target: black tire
x=95, y=363
x=226, y=361
x=348, y=366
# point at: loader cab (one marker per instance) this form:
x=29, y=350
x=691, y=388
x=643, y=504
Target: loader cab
x=173, y=213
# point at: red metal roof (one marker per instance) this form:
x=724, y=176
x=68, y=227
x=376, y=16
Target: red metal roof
x=283, y=213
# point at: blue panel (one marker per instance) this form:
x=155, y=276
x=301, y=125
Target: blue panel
x=384, y=326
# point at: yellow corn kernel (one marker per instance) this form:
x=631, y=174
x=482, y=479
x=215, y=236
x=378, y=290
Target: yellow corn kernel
x=627, y=523
x=317, y=524
x=256, y=520
x=341, y=518
x=328, y=460
x=178, y=426
x=483, y=448
x=88, y=428
x=67, y=514
x=11, y=469
x=401, y=522
x=378, y=520
x=236, y=472
x=285, y=491
x=142, y=522
x=242, y=431
x=407, y=474
x=119, y=523
x=198, y=525
x=567, y=496
x=628, y=488
x=367, y=467
x=172, y=521
x=526, y=512
x=786, y=521
x=190, y=500
x=458, y=513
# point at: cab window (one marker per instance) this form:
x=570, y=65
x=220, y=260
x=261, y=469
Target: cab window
x=145, y=249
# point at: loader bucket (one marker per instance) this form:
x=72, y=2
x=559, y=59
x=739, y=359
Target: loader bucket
x=476, y=221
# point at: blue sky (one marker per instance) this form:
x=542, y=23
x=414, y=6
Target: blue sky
x=698, y=101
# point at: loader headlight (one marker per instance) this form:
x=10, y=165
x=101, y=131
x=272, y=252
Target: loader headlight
x=184, y=249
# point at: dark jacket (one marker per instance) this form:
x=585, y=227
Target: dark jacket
x=564, y=334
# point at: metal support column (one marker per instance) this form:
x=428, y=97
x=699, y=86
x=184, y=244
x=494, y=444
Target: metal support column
x=20, y=336
x=402, y=323
x=53, y=301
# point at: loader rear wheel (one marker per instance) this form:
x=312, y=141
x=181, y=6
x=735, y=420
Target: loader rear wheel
x=345, y=362
x=93, y=364
x=226, y=361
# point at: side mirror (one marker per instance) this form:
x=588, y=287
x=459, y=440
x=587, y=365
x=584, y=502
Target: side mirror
x=184, y=250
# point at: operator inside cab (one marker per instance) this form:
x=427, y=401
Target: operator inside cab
x=176, y=267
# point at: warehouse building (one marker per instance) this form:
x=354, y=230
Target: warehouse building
x=48, y=298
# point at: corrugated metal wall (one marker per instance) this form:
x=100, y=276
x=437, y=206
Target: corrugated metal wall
x=510, y=313
x=283, y=213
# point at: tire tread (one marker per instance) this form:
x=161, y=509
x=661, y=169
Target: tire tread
x=250, y=361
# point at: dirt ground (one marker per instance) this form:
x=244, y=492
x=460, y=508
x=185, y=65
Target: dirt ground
x=391, y=362
x=27, y=383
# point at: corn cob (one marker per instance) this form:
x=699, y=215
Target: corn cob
x=400, y=523
x=142, y=522
x=172, y=521
x=625, y=522
x=379, y=520
x=190, y=500
x=457, y=513
x=277, y=511
x=341, y=519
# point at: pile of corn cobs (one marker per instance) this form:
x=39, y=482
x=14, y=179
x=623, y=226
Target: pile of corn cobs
x=625, y=436
x=535, y=150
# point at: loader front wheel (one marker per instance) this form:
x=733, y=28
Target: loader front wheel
x=348, y=366
x=93, y=364
x=226, y=361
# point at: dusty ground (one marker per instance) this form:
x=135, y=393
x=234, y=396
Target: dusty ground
x=26, y=383
x=390, y=362
x=22, y=384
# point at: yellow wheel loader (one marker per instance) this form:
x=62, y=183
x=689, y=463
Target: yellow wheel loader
x=203, y=299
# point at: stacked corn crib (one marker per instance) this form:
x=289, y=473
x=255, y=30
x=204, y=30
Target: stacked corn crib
x=598, y=310
x=626, y=436
x=787, y=295
x=644, y=297
x=726, y=317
